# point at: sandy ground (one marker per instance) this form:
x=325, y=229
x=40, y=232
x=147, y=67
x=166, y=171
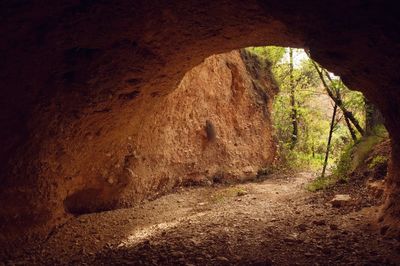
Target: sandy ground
x=273, y=222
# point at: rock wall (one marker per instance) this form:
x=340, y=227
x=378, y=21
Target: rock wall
x=75, y=74
x=214, y=127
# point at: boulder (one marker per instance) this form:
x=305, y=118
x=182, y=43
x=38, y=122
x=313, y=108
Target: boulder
x=341, y=200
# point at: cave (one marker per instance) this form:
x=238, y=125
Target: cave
x=80, y=77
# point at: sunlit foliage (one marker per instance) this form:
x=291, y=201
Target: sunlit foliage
x=313, y=106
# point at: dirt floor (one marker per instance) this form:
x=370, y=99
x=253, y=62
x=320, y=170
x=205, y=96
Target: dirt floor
x=272, y=222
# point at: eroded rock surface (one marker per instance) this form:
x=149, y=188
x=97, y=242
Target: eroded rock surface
x=276, y=222
x=214, y=127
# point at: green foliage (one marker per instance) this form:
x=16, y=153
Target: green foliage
x=299, y=160
x=314, y=111
x=377, y=160
x=271, y=55
x=355, y=154
x=321, y=183
x=344, y=164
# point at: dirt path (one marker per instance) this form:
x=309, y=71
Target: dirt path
x=273, y=222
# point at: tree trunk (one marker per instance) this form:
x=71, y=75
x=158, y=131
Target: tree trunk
x=293, y=102
x=338, y=101
x=328, y=147
x=351, y=129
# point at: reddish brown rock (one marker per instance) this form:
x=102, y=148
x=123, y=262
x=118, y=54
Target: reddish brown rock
x=171, y=145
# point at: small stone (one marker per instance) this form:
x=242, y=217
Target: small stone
x=178, y=254
x=340, y=200
x=293, y=238
x=220, y=258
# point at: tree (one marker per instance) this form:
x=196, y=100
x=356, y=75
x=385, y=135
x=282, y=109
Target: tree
x=295, y=131
x=328, y=146
x=336, y=97
x=351, y=129
x=300, y=113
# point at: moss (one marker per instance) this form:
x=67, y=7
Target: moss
x=343, y=167
x=377, y=160
x=354, y=155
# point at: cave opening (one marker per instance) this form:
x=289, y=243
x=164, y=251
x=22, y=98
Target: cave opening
x=230, y=187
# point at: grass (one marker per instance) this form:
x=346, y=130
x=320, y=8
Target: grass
x=321, y=183
x=303, y=161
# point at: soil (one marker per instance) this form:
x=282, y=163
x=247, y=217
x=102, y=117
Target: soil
x=275, y=221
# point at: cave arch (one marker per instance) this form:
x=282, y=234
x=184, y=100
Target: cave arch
x=79, y=75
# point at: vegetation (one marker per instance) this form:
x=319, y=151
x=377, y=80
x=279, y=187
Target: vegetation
x=379, y=159
x=319, y=123
x=321, y=183
x=355, y=154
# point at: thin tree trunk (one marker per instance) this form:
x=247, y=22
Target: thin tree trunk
x=339, y=101
x=293, y=102
x=351, y=129
x=328, y=147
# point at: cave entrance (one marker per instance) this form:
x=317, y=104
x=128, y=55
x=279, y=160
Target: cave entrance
x=231, y=120
x=247, y=184
x=80, y=129
x=255, y=110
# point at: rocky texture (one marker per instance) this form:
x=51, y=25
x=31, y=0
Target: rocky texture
x=341, y=200
x=375, y=165
x=215, y=127
x=364, y=185
x=277, y=222
x=76, y=74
